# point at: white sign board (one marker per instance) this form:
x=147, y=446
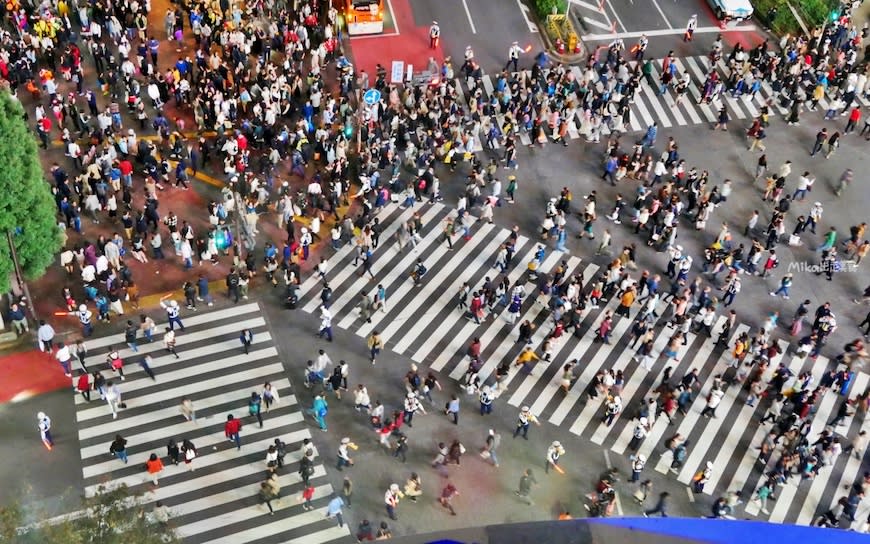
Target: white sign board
x=398, y=73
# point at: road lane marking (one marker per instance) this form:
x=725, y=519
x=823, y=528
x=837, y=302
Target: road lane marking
x=662, y=13
x=468, y=13
x=599, y=24
x=667, y=32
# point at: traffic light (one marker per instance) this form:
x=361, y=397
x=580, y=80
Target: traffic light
x=834, y=15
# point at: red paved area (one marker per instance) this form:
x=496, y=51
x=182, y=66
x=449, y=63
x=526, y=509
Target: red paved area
x=411, y=45
x=29, y=373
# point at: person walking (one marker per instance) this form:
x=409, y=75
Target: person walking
x=246, y=337
x=172, y=311
x=169, y=342
x=154, y=466
x=232, y=429
x=43, y=423
x=130, y=336
x=333, y=509
x=318, y=410
x=446, y=498
x=391, y=500
x=45, y=336
x=64, y=357
x=375, y=345
x=554, y=452
x=325, y=323
x=267, y=495
x=188, y=450
x=527, y=480
x=493, y=440
x=524, y=420
x=661, y=506
x=784, y=285
x=637, y=465
x=344, y=459
x=255, y=407
x=451, y=409
x=702, y=477
x=118, y=448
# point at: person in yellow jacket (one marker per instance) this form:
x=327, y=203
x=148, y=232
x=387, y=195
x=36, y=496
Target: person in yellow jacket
x=527, y=358
x=625, y=301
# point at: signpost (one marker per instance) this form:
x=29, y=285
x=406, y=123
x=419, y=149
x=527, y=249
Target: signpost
x=372, y=97
x=397, y=74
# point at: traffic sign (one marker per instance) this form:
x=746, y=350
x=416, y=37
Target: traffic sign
x=372, y=97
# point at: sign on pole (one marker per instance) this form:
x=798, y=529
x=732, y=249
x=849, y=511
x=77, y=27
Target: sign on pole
x=372, y=97
x=398, y=73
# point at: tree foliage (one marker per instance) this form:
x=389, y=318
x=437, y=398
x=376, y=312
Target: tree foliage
x=112, y=516
x=27, y=206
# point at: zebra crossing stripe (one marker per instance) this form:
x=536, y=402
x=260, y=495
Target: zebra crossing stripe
x=700, y=78
x=700, y=360
x=555, y=384
x=625, y=435
x=420, y=322
x=244, y=514
x=509, y=341
x=340, y=277
x=407, y=286
x=787, y=492
x=448, y=297
x=193, y=320
x=267, y=530
x=458, y=340
x=641, y=107
x=813, y=497
x=737, y=428
x=350, y=296
x=532, y=378
x=693, y=94
x=574, y=394
x=698, y=452
x=205, y=460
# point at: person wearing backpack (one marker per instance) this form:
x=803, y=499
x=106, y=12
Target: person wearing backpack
x=254, y=407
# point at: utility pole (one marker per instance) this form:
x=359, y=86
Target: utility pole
x=19, y=277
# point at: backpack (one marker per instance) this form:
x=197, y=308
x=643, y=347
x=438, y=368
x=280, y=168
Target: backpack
x=254, y=406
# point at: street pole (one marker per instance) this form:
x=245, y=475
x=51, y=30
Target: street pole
x=18, y=276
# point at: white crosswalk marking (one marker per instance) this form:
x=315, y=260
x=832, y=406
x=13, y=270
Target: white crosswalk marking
x=219, y=499
x=426, y=324
x=648, y=106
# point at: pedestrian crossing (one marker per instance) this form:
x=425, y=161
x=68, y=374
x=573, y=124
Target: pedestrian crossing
x=218, y=501
x=425, y=324
x=648, y=105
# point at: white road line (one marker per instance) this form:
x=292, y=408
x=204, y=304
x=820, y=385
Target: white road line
x=621, y=443
x=745, y=470
x=701, y=360
x=662, y=13
x=422, y=315
x=468, y=13
x=736, y=427
x=669, y=32
x=695, y=88
x=814, y=496
x=267, y=530
x=641, y=108
x=596, y=23
x=458, y=340
x=574, y=394
x=825, y=408
x=190, y=320
x=241, y=515
x=653, y=96
x=586, y=5
x=204, y=459
x=616, y=15
x=402, y=269
x=348, y=248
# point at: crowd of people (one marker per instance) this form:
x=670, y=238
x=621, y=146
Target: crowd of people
x=257, y=78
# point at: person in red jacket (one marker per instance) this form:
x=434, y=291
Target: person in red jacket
x=231, y=430
x=854, y=117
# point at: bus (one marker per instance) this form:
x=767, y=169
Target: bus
x=364, y=16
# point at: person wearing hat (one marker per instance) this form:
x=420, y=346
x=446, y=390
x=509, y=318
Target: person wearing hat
x=637, y=464
x=412, y=404
x=172, y=311
x=391, y=500
x=554, y=452
x=344, y=459
x=434, y=35
x=84, y=316
x=513, y=56
x=44, y=426
x=640, y=432
x=524, y=419
x=305, y=240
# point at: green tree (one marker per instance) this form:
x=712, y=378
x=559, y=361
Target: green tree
x=27, y=208
x=112, y=516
